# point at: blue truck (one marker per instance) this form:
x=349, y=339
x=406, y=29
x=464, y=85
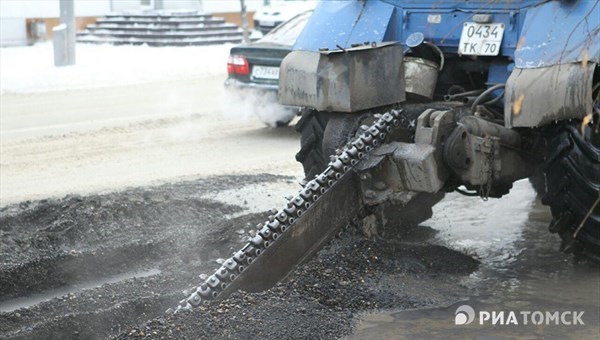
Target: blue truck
x=405, y=100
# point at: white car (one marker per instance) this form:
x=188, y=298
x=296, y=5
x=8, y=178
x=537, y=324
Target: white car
x=268, y=17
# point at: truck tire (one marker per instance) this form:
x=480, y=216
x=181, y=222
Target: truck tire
x=573, y=189
x=312, y=129
x=322, y=133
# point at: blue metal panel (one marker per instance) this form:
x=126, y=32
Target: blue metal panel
x=498, y=72
x=560, y=33
x=547, y=32
x=442, y=21
x=345, y=23
x=446, y=33
x=480, y=6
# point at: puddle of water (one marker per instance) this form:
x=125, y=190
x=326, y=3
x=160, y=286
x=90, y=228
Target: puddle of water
x=439, y=323
x=487, y=228
x=258, y=197
x=28, y=301
x=521, y=270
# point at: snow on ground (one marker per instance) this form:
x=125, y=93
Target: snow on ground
x=31, y=68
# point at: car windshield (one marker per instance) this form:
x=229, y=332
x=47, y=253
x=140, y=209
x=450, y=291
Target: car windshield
x=288, y=32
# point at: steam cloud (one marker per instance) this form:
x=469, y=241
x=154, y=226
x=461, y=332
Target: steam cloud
x=254, y=104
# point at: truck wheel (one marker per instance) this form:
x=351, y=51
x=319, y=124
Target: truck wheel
x=312, y=128
x=573, y=189
x=322, y=133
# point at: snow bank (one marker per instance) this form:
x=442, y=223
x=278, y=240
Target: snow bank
x=31, y=69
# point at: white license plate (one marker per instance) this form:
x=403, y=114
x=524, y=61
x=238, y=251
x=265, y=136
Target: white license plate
x=265, y=72
x=481, y=39
x=267, y=23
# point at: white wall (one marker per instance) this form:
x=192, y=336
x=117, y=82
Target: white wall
x=219, y=6
x=28, y=8
x=13, y=32
x=182, y=4
x=88, y=8
x=50, y=8
x=124, y=5
x=209, y=6
x=14, y=12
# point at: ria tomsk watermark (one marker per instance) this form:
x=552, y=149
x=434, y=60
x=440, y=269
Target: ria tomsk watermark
x=465, y=315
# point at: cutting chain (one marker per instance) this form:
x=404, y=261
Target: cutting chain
x=215, y=286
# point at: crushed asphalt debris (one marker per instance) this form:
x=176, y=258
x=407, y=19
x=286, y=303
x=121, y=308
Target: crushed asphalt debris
x=52, y=248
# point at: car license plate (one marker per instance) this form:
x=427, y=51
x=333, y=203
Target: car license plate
x=481, y=39
x=267, y=23
x=265, y=72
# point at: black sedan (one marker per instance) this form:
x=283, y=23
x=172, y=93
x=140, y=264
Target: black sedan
x=253, y=69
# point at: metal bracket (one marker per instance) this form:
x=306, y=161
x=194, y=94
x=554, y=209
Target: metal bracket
x=399, y=167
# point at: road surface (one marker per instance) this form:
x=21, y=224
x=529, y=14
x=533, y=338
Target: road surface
x=109, y=138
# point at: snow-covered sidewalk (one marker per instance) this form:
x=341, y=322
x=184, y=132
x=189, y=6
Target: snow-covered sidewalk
x=31, y=69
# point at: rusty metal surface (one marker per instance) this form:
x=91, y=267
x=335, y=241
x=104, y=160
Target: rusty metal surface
x=421, y=77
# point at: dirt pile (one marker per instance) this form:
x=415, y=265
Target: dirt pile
x=322, y=298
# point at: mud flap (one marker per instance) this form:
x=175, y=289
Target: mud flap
x=536, y=97
x=347, y=80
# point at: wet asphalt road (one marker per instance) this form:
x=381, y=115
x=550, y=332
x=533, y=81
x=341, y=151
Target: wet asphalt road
x=521, y=270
